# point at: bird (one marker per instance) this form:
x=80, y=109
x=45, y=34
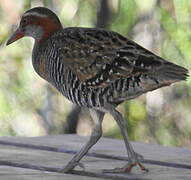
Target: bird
x=97, y=69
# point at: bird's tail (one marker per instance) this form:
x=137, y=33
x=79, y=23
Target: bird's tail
x=165, y=75
x=171, y=73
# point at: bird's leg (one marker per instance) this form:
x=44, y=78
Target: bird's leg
x=134, y=158
x=97, y=116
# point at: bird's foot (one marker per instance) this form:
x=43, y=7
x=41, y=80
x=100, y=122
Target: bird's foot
x=126, y=169
x=71, y=165
x=135, y=160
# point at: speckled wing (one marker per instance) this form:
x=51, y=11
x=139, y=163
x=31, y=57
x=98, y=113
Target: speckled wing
x=99, y=57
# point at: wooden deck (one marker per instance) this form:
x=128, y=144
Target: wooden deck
x=40, y=158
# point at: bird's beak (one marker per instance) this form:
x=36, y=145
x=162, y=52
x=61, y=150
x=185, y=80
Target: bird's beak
x=15, y=36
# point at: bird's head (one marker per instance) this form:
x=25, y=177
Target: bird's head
x=39, y=23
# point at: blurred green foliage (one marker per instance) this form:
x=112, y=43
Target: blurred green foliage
x=29, y=107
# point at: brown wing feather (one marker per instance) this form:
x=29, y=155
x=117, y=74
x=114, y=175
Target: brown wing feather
x=98, y=57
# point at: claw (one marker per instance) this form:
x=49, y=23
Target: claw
x=143, y=167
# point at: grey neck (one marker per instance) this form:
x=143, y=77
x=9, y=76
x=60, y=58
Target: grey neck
x=34, y=31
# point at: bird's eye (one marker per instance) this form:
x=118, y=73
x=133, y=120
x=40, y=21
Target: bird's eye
x=24, y=21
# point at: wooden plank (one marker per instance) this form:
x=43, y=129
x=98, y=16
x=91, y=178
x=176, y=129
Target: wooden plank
x=107, y=146
x=50, y=158
x=39, y=159
x=14, y=173
x=30, y=160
